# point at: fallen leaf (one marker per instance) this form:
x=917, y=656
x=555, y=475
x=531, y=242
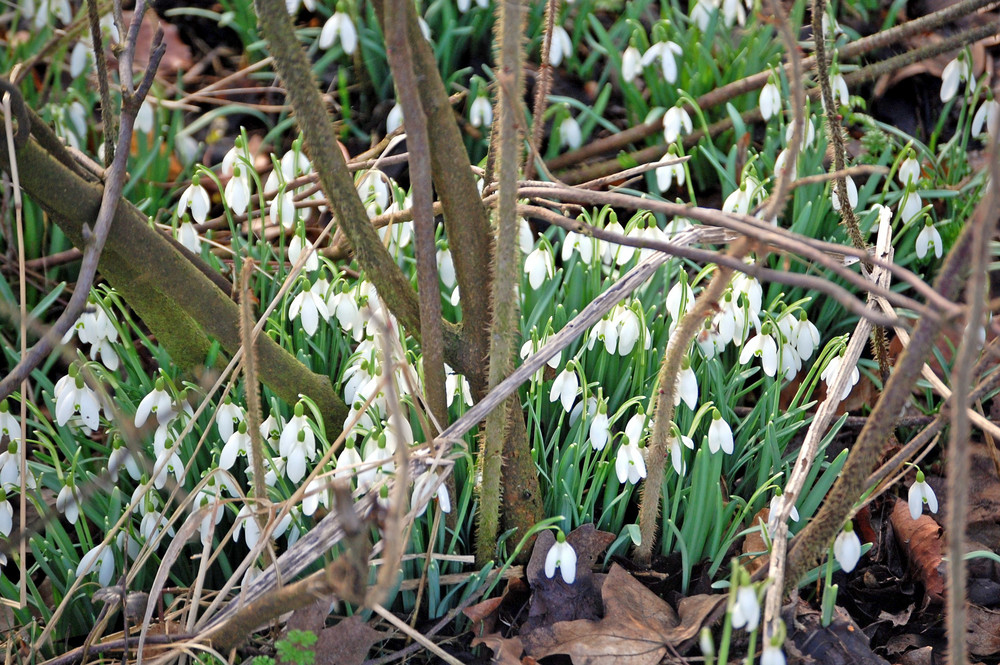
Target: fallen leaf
x=635, y=630
x=345, y=643
x=921, y=540
x=840, y=643
x=505, y=651
x=754, y=546
x=982, y=630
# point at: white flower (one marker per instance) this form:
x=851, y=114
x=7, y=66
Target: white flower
x=80, y=59
x=310, y=306
x=909, y=171
x=561, y=46
x=666, y=53
x=100, y=559
x=227, y=417
x=666, y=174
x=772, y=655
x=196, y=198
x=481, y=112
x=780, y=165
x=635, y=428
x=188, y=236
x=720, y=436
x=120, y=456
x=373, y=188
x=674, y=442
x=630, y=465
x=576, y=242
x=562, y=556
x=852, y=194
x=9, y=425
x=570, y=135
x=74, y=396
x=805, y=337
x=831, y=371
x=238, y=191
x=847, y=549
x=770, y=100
x=910, y=206
x=687, y=387
x=158, y=403
x=606, y=331
x=773, y=507
x=538, y=265
x=68, y=502
x=676, y=123
x=167, y=462
x=612, y=252
x=339, y=27
x=599, y=427
x=426, y=483
x=456, y=385
x=394, y=119
x=295, y=248
x=680, y=296
x=297, y=443
x=630, y=329
x=921, y=493
x=928, y=238
x=746, y=610
x=238, y=444
x=954, y=73
x=702, y=11
x=349, y=458
x=733, y=12
x=988, y=115
x=631, y=64
x=379, y=461
x=764, y=346
x=840, y=92
x=564, y=387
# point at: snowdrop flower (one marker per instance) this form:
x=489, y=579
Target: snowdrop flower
x=676, y=123
x=921, y=493
x=9, y=425
x=561, y=46
x=630, y=465
x=745, y=612
x=988, y=115
x=456, y=385
x=600, y=429
x=687, y=385
x=481, y=112
x=238, y=191
x=680, y=296
x=295, y=248
x=68, y=501
x=167, y=462
x=839, y=88
x=373, y=188
x=929, y=238
x=772, y=655
x=630, y=329
x=238, y=444
x=635, y=428
x=909, y=171
x=665, y=52
x=562, y=556
x=464, y=5
x=674, y=442
x=157, y=403
x=196, y=198
x=283, y=211
x=576, y=242
x=631, y=64
x=532, y=346
x=188, y=236
x=80, y=59
x=804, y=336
x=831, y=371
x=808, y=134
x=379, y=461
x=773, y=507
x=122, y=456
x=763, y=346
x=749, y=193
x=612, y=252
x=954, y=73
x=671, y=170
x=293, y=5
x=423, y=487
x=565, y=386
x=310, y=305
x=297, y=443
x=852, y=194
x=339, y=27
x=6, y=515
x=847, y=548
x=349, y=457
x=538, y=265
x=733, y=12
x=227, y=417
x=720, y=436
x=98, y=559
x=911, y=205
x=394, y=119
x=770, y=100
x=570, y=135
x=780, y=165
x=73, y=396
x=606, y=331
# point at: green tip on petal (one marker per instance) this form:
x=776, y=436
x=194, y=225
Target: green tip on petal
x=920, y=476
x=300, y=409
x=560, y=536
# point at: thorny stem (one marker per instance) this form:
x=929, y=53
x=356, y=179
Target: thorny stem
x=418, y=146
x=663, y=414
x=543, y=84
x=107, y=114
x=506, y=273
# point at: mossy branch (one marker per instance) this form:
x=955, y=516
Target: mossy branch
x=160, y=280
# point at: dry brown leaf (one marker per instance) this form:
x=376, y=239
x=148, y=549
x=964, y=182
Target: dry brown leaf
x=635, y=630
x=505, y=651
x=754, y=544
x=983, y=630
x=345, y=643
x=921, y=539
